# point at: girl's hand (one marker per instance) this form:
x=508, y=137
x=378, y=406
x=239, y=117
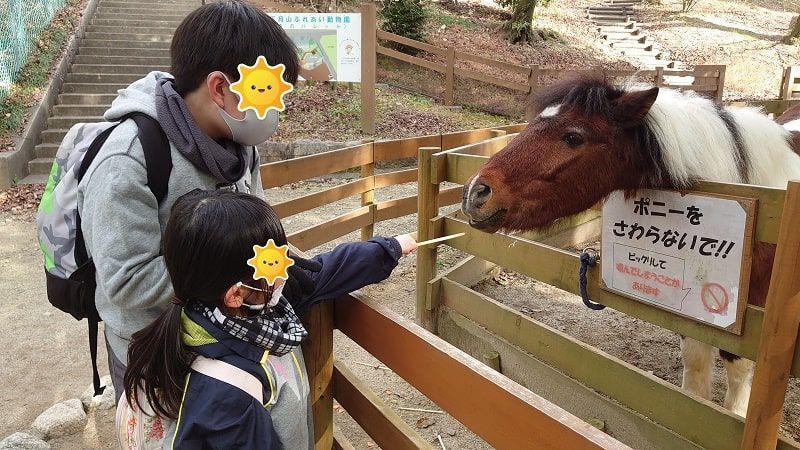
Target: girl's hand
x=407, y=243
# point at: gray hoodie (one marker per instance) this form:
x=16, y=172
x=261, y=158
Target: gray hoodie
x=122, y=222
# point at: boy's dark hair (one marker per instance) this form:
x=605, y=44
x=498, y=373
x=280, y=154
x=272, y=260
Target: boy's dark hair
x=208, y=239
x=223, y=34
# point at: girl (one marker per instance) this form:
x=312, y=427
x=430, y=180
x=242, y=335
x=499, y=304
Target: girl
x=220, y=313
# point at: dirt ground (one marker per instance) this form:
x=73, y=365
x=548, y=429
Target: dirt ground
x=45, y=358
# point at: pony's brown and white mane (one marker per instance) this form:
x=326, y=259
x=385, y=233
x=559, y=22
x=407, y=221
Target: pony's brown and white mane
x=587, y=138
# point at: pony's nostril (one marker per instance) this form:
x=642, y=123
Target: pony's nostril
x=479, y=194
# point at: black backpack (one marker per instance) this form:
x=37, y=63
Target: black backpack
x=69, y=271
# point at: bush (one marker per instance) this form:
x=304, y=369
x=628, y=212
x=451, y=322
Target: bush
x=405, y=18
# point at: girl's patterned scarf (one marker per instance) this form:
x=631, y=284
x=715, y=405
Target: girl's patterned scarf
x=277, y=329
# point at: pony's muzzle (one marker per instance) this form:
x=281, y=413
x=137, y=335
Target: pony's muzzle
x=475, y=196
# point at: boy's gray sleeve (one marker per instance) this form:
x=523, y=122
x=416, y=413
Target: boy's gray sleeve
x=122, y=232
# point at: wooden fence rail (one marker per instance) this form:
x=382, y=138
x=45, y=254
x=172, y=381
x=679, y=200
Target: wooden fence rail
x=769, y=337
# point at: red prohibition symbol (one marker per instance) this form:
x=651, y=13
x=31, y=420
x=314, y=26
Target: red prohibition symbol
x=715, y=298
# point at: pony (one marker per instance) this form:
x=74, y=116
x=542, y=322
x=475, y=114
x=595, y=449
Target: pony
x=588, y=138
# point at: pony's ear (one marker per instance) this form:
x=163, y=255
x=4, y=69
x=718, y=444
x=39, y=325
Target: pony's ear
x=631, y=108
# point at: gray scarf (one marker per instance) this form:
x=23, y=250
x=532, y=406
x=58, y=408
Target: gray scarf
x=224, y=162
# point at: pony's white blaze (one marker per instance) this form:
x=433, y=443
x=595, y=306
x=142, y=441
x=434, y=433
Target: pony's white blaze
x=793, y=125
x=697, y=145
x=550, y=111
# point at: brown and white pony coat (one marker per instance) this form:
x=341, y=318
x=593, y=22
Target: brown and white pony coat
x=588, y=138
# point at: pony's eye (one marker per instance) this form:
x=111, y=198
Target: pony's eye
x=572, y=139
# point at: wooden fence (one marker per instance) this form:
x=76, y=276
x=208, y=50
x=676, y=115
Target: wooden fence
x=790, y=84
x=664, y=415
x=500, y=411
x=518, y=79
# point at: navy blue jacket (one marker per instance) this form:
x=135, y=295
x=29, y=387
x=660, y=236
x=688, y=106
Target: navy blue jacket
x=216, y=415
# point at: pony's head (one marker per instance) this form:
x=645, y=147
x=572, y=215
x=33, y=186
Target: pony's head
x=586, y=139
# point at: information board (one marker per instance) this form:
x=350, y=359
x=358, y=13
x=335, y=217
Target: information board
x=328, y=45
x=687, y=253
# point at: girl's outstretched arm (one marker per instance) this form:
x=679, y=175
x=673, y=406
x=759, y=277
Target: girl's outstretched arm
x=349, y=267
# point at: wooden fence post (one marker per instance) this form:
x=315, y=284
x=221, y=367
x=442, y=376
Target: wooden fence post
x=318, y=355
x=778, y=333
x=720, y=82
x=785, y=81
x=659, y=77
x=368, y=197
x=449, y=88
x=368, y=68
x=427, y=209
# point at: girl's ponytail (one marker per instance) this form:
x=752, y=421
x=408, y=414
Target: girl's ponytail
x=158, y=362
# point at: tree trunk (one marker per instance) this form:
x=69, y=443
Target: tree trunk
x=795, y=33
x=520, y=27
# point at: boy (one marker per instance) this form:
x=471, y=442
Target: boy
x=211, y=145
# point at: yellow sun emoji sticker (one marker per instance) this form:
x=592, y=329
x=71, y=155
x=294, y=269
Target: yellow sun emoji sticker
x=270, y=262
x=261, y=87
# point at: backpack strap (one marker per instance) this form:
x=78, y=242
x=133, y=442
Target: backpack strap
x=230, y=374
x=158, y=163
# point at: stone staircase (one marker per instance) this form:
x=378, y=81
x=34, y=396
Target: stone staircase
x=616, y=24
x=124, y=41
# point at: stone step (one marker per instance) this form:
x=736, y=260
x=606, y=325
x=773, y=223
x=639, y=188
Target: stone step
x=149, y=31
x=653, y=63
x=53, y=136
x=40, y=166
x=86, y=99
x=160, y=61
x=35, y=179
x=66, y=122
x=644, y=54
x=160, y=45
x=104, y=11
x=122, y=51
x=46, y=150
x=128, y=37
x=626, y=37
x=606, y=23
x=79, y=110
x=128, y=22
x=172, y=17
x=617, y=28
x=609, y=8
x=633, y=45
x=624, y=33
x=125, y=69
x=102, y=78
x=150, y=6
x=93, y=88
x=608, y=18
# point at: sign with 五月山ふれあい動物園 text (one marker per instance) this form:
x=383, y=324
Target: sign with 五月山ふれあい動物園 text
x=686, y=253
x=328, y=44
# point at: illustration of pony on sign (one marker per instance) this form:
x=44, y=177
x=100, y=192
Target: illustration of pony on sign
x=588, y=138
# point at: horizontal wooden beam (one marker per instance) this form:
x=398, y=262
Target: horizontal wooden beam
x=393, y=150
x=515, y=68
x=329, y=230
x=394, y=178
x=386, y=36
x=392, y=209
x=324, y=197
x=284, y=172
x=559, y=268
x=478, y=76
x=441, y=68
x=500, y=411
x=372, y=414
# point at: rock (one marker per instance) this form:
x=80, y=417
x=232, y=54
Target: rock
x=106, y=400
x=425, y=422
x=23, y=441
x=450, y=431
x=61, y=419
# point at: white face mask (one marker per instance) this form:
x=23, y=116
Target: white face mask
x=276, y=296
x=251, y=130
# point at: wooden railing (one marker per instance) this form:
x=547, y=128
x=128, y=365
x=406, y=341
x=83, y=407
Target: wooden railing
x=363, y=157
x=678, y=419
x=500, y=411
